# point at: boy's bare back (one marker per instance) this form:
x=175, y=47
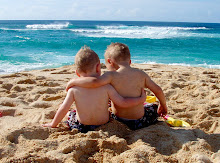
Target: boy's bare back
x=91, y=104
x=128, y=82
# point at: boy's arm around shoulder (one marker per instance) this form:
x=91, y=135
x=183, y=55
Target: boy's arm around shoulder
x=125, y=101
x=63, y=109
x=91, y=82
x=162, y=110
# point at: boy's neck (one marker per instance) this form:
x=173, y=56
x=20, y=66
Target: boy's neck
x=124, y=64
x=90, y=74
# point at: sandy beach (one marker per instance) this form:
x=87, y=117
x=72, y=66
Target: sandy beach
x=31, y=98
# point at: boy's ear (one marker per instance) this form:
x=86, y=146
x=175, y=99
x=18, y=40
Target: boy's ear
x=77, y=73
x=98, y=68
x=109, y=61
x=130, y=62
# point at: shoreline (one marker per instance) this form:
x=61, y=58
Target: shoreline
x=30, y=98
x=173, y=64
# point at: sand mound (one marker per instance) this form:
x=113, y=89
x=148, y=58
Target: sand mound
x=29, y=99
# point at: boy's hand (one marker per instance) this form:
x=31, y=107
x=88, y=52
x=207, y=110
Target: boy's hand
x=162, y=111
x=48, y=125
x=69, y=85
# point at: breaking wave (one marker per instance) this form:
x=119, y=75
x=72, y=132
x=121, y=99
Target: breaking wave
x=48, y=26
x=151, y=32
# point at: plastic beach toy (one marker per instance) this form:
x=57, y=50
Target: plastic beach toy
x=175, y=122
x=171, y=121
x=151, y=99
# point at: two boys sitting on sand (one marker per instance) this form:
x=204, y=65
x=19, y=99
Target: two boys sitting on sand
x=92, y=91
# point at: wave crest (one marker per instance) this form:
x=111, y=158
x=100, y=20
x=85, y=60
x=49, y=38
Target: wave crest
x=48, y=26
x=122, y=31
x=150, y=28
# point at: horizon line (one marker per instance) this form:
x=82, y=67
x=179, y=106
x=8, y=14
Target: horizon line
x=106, y=20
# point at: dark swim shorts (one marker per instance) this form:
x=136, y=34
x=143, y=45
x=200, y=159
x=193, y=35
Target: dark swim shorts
x=149, y=118
x=72, y=122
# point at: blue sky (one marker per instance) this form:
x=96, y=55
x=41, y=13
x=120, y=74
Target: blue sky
x=139, y=10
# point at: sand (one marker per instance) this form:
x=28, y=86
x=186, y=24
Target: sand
x=28, y=99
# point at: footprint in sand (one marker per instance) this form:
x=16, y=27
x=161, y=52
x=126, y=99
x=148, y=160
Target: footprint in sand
x=206, y=125
x=48, y=69
x=18, y=88
x=214, y=112
x=26, y=81
x=64, y=72
x=11, y=76
x=12, y=102
x=41, y=104
x=115, y=144
x=51, y=98
x=7, y=86
x=179, y=110
x=184, y=115
x=28, y=133
x=49, y=90
x=214, y=86
x=49, y=114
x=82, y=146
x=177, y=85
x=4, y=101
x=40, y=78
x=7, y=112
x=50, y=84
x=7, y=103
x=213, y=76
x=208, y=72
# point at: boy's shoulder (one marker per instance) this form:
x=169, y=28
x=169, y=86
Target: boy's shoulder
x=72, y=89
x=109, y=74
x=137, y=70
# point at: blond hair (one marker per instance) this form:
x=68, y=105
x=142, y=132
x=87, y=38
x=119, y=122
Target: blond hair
x=118, y=51
x=86, y=59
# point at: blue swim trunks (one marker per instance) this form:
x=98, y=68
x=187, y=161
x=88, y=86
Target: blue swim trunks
x=72, y=122
x=149, y=118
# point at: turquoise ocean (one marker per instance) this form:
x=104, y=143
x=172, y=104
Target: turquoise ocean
x=34, y=44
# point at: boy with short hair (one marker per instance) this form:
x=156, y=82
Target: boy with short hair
x=128, y=82
x=91, y=103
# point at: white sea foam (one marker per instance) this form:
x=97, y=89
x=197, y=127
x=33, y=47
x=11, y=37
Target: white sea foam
x=151, y=32
x=21, y=37
x=209, y=66
x=196, y=65
x=205, y=65
x=8, y=68
x=48, y=26
x=4, y=29
x=151, y=27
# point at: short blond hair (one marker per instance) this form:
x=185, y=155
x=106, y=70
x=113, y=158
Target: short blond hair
x=86, y=59
x=118, y=51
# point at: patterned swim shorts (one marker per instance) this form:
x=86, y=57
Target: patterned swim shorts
x=72, y=122
x=149, y=118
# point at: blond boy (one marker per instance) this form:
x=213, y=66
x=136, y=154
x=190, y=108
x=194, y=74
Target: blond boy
x=91, y=103
x=128, y=82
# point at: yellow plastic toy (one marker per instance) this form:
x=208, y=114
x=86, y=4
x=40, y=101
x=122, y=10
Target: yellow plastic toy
x=171, y=121
x=176, y=122
x=151, y=99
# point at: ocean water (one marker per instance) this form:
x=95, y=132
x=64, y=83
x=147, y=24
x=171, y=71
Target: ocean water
x=34, y=44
